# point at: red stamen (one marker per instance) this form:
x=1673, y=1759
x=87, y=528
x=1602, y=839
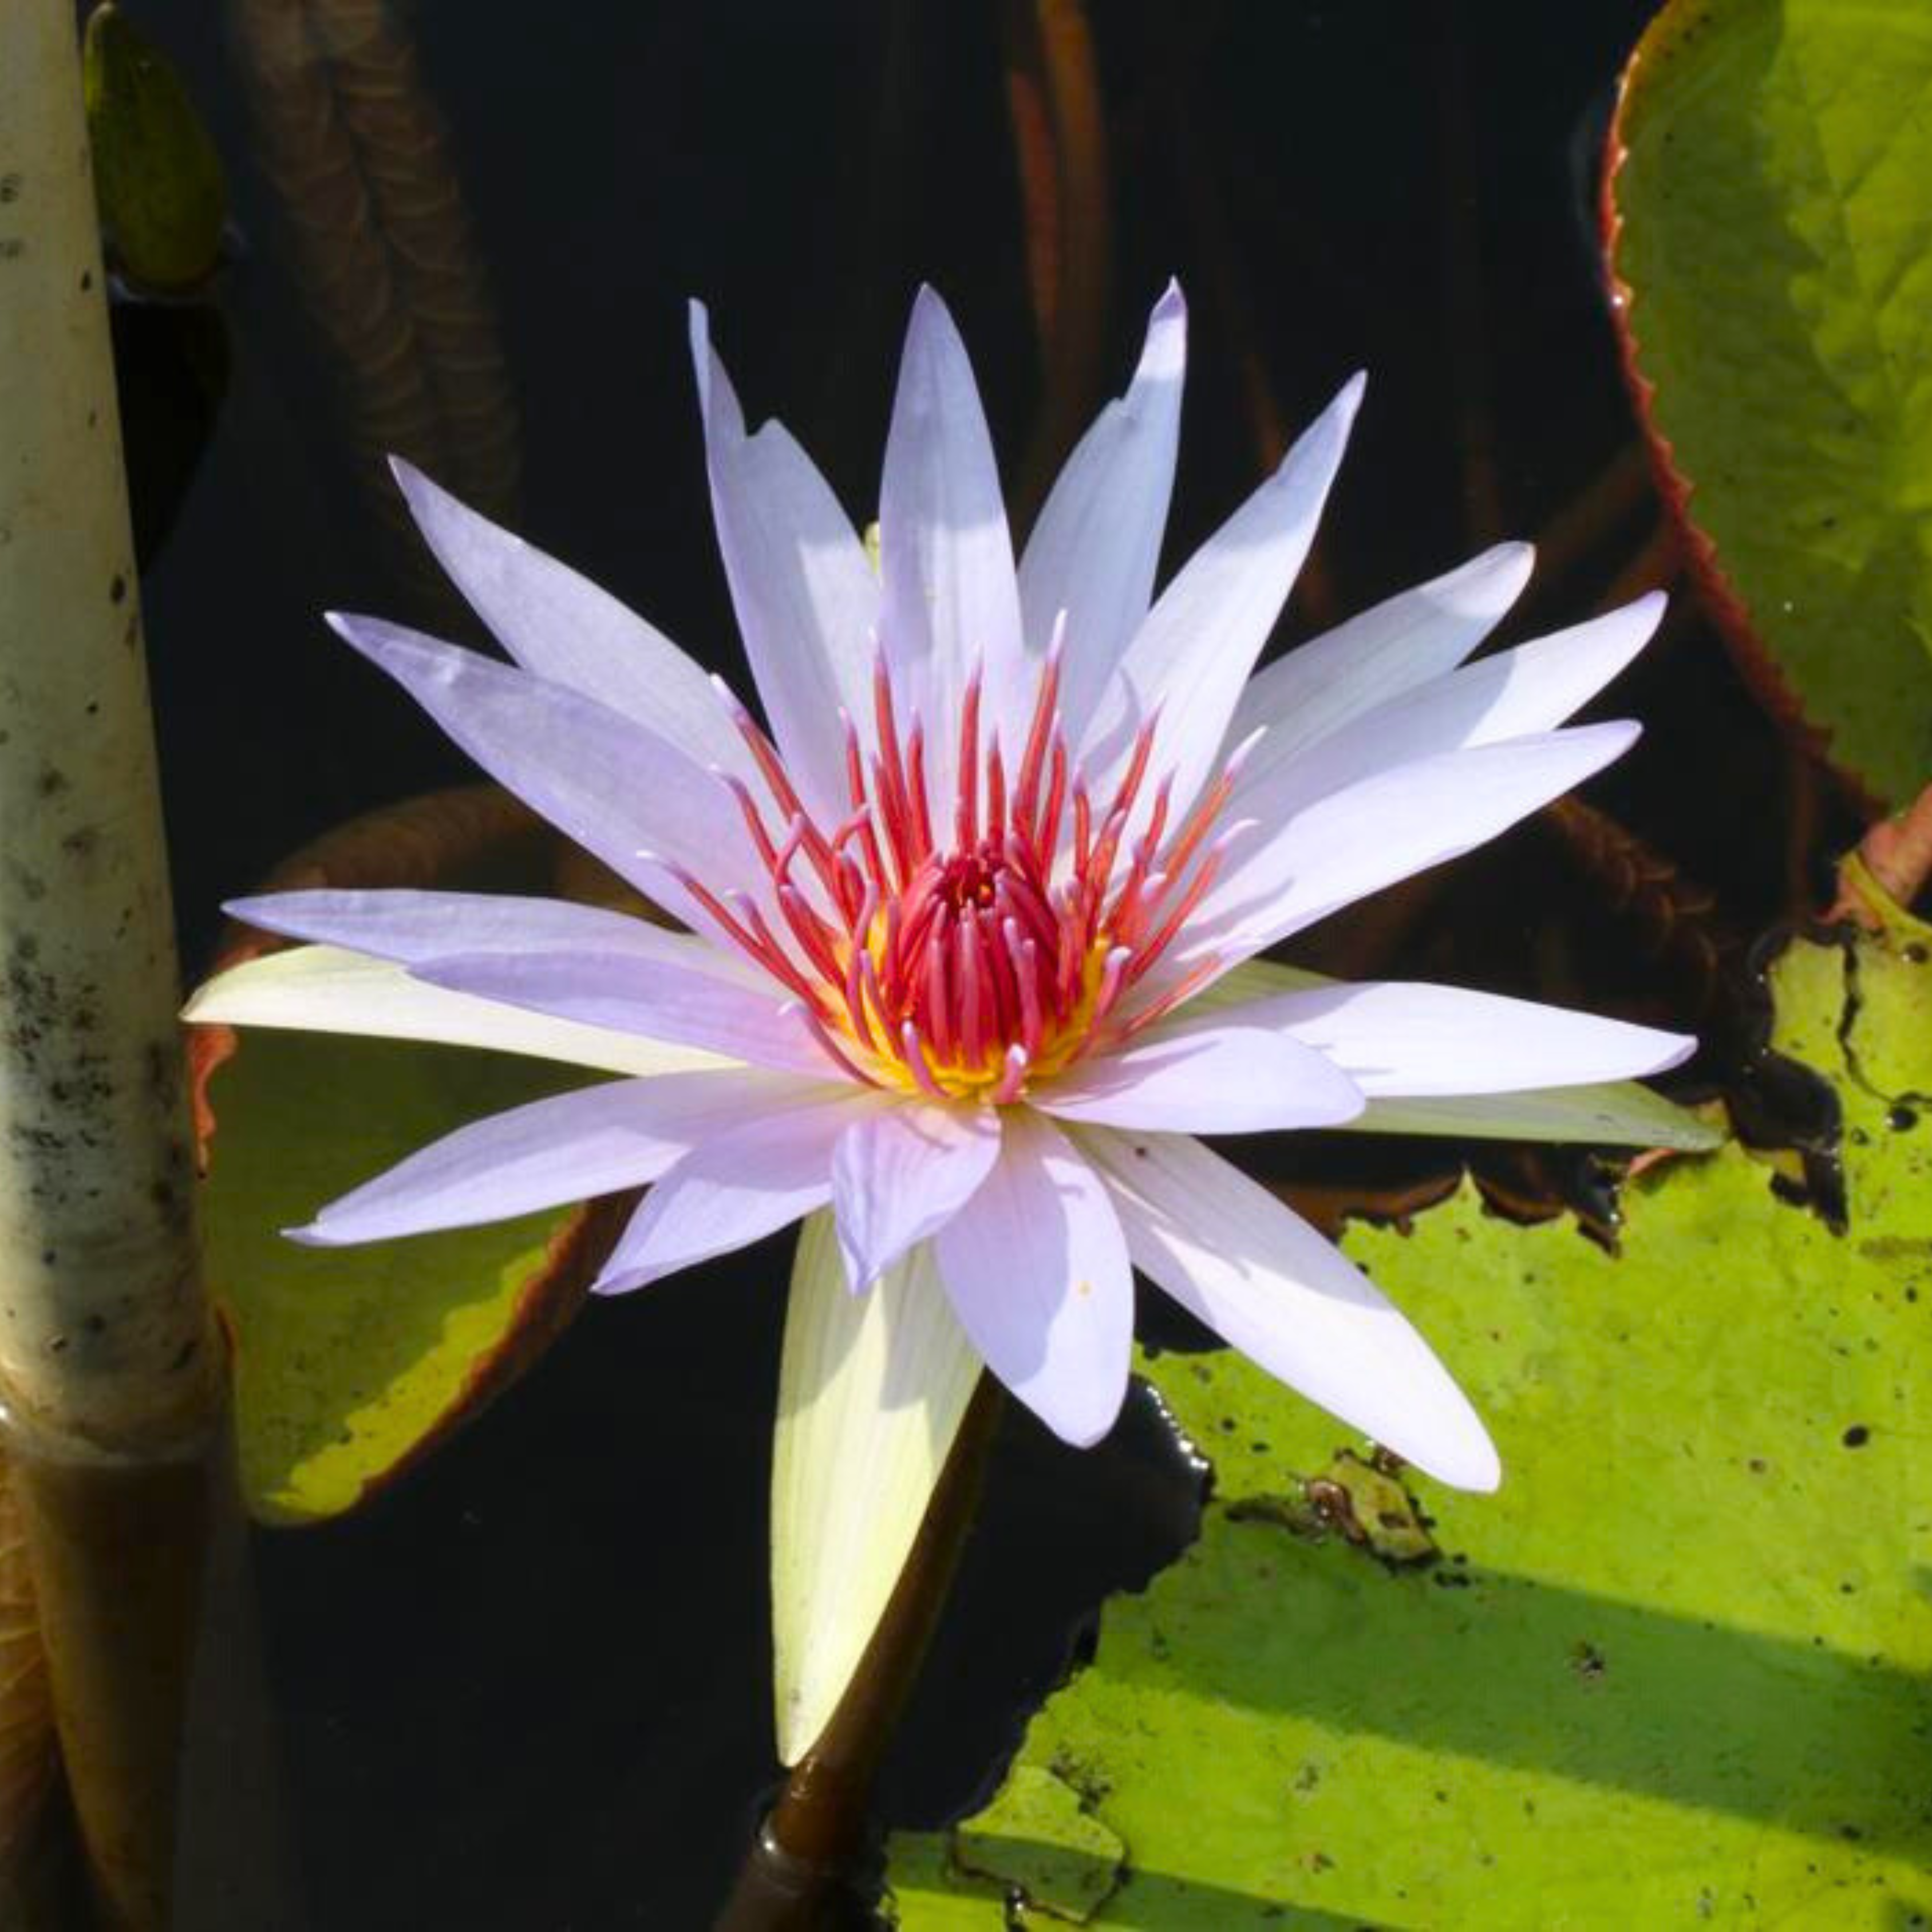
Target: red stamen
x=966, y=827
x=917, y=1065
x=1025, y=957
x=834, y=1051
x=922, y=814
x=1056, y=800
x=1013, y=1081
x=1189, y=983
x=973, y=1038
x=1026, y=794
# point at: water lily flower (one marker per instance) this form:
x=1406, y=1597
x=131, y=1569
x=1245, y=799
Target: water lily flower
x=970, y=911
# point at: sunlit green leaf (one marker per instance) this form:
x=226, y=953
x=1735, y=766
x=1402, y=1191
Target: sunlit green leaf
x=1674, y=1674
x=1775, y=199
x=349, y=1360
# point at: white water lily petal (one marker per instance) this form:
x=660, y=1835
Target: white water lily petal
x=1385, y=828
x=1618, y=1113
x=601, y=779
x=1414, y=638
x=565, y=629
x=411, y=926
x=951, y=599
x=327, y=989
x=1038, y=1275
x=569, y=1147
x=1254, y=979
x=807, y=600
x=1517, y=693
x=1192, y=657
x=1095, y=545
x=1210, y=1073
x=1234, y=1256
x=670, y=996
x=1399, y=1038
x=872, y=1388
x=900, y=1173
x=767, y=1171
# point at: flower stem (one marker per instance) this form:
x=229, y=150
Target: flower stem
x=817, y=1833
x=110, y=1383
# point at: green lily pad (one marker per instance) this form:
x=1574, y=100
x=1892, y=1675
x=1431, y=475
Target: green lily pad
x=1770, y=215
x=350, y=1362
x=1674, y=1674
x=157, y=176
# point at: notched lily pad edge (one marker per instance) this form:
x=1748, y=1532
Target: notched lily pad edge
x=1727, y=606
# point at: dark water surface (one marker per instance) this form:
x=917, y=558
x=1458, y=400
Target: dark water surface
x=529, y=1689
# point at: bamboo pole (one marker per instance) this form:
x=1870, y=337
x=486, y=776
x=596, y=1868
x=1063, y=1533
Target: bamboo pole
x=110, y=1384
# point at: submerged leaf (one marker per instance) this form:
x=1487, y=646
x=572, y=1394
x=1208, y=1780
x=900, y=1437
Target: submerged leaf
x=1675, y=1673
x=1770, y=210
x=157, y=175
x=349, y=1362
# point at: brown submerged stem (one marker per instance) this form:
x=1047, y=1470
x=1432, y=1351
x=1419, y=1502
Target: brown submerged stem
x=798, y=1876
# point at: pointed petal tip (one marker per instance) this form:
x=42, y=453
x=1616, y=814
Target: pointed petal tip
x=1164, y=355
x=358, y=633
x=1648, y=609
x=1082, y=1428
x=620, y=1283
x=932, y=319
x=1481, y=1474
x=1675, y=1049
x=1459, y=1453
x=1515, y=558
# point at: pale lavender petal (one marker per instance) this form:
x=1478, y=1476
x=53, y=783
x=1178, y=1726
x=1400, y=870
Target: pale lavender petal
x=1036, y=1269
x=1514, y=695
x=1231, y=1255
x=807, y=600
x=950, y=597
x=629, y=992
x=742, y=1184
x=411, y=926
x=602, y=780
x=564, y=628
x=572, y=1147
x=1368, y=835
x=329, y=989
x=1192, y=657
x=1094, y=551
x=900, y=1173
x=1398, y=1039
x=1412, y=638
x=1211, y=1074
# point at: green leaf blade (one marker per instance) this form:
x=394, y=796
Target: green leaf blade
x=1676, y=1672
x=349, y=1362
